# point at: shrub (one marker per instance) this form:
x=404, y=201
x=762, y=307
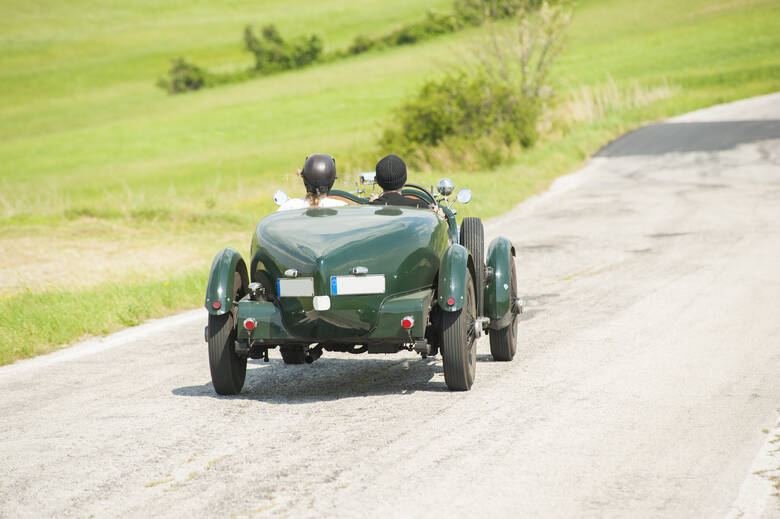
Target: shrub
x=433, y=25
x=490, y=102
x=183, y=77
x=273, y=54
x=186, y=77
x=477, y=12
x=468, y=105
x=361, y=44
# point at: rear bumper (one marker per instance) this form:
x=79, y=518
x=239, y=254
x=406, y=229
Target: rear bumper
x=270, y=328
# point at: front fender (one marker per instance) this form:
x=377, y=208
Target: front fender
x=222, y=280
x=455, y=262
x=500, y=255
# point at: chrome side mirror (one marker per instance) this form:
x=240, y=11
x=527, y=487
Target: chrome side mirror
x=445, y=187
x=280, y=197
x=369, y=177
x=464, y=195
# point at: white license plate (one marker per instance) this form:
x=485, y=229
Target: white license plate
x=297, y=287
x=352, y=285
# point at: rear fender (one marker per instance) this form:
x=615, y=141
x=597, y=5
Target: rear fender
x=455, y=262
x=221, y=280
x=500, y=255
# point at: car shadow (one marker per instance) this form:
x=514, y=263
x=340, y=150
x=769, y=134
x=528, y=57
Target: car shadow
x=330, y=379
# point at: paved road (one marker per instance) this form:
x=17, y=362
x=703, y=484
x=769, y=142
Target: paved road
x=647, y=382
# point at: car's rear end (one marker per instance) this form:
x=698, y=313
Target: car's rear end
x=343, y=276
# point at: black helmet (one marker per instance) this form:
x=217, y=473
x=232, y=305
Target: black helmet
x=391, y=173
x=319, y=173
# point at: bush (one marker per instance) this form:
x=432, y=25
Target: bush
x=433, y=25
x=467, y=105
x=183, y=77
x=186, y=77
x=361, y=44
x=477, y=12
x=273, y=54
x=465, y=13
x=490, y=103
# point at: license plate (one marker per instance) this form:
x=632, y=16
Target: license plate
x=352, y=285
x=297, y=287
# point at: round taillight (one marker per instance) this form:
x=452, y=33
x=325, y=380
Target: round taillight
x=450, y=301
x=407, y=322
x=217, y=305
x=250, y=324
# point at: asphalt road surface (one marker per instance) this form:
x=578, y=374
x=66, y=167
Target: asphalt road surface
x=647, y=382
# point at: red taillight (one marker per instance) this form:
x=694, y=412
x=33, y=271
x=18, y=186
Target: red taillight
x=217, y=305
x=250, y=324
x=407, y=322
x=450, y=301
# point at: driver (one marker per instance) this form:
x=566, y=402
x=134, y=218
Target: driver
x=391, y=177
x=319, y=173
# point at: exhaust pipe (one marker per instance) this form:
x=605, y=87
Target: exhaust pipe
x=313, y=354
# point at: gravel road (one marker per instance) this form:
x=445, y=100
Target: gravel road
x=647, y=382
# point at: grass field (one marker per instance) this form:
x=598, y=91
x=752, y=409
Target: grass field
x=114, y=196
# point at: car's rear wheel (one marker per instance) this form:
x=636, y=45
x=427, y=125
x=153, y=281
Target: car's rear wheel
x=228, y=370
x=293, y=354
x=472, y=236
x=503, y=342
x=459, y=347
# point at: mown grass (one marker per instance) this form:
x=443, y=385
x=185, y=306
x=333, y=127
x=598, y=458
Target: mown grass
x=86, y=138
x=34, y=321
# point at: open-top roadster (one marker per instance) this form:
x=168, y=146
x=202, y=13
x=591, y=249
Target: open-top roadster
x=363, y=279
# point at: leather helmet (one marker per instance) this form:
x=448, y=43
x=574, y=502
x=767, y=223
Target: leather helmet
x=319, y=173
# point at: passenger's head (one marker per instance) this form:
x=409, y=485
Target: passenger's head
x=391, y=173
x=319, y=173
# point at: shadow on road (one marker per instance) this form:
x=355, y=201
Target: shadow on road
x=657, y=139
x=330, y=379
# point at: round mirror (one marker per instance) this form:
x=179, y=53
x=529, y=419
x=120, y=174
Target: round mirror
x=464, y=195
x=369, y=177
x=445, y=187
x=280, y=197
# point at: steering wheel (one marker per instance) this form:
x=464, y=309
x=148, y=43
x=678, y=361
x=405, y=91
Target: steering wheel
x=433, y=200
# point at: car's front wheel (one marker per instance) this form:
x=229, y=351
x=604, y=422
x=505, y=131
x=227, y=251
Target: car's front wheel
x=503, y=342
x=459, y=345
x=472, y=236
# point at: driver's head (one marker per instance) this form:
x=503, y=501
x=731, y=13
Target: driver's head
x=391, y=173
x=319, y=173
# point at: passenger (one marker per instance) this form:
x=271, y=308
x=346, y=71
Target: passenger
x=319, y=173
x=391, y=177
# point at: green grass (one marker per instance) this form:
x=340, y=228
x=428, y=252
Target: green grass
x=89, y=144
x=35, y=321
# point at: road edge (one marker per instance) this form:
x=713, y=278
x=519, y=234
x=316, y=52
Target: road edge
x=101, y=344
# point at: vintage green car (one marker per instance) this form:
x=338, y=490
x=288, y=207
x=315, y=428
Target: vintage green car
x=363, y=279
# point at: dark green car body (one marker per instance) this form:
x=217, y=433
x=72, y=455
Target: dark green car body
x=403, y=244
x=416, y=250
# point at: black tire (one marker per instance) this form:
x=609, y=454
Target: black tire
x=293, y=354
x=503, y=342
x=459, y=345
x=472, y=236
x=228, y=370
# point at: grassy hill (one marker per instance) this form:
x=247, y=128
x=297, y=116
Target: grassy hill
x=115, y=193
